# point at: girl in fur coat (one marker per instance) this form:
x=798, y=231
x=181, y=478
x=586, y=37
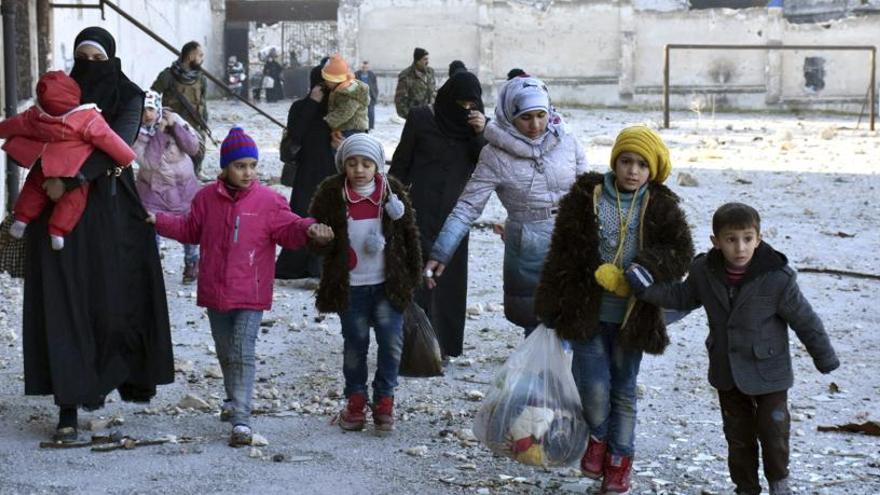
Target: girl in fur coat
x=370, y=272
x=606, y=222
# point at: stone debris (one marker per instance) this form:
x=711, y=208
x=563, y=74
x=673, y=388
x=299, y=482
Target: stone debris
x=475, y=309
x=214, y=371
x=687, y=180
x=418, y=451
x=474, y=395
x=192, y=401
x=258, y=440
x=104, y=423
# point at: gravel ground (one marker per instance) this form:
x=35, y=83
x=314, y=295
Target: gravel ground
x=814, y=179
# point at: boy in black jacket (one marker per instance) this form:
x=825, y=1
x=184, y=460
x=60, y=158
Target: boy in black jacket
x=751, y=297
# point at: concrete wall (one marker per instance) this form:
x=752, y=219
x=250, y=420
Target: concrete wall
x=595, y=52
x=177, y=21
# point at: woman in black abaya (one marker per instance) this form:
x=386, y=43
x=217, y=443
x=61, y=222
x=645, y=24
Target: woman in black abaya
x=95, y=314
x=438, y=151
x=310, y=135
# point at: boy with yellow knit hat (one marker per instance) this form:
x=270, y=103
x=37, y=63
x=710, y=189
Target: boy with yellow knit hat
x=349, y=102
x=605, y=222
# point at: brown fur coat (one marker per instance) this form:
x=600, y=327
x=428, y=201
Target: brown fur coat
x=403, y=257
x=568, y=295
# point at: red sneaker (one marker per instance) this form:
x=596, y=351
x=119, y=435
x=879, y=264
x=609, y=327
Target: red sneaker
x=383, y=414
x=594, y=458
x=617, y=473
x=353, y=417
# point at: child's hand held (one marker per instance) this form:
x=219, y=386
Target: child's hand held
x=320, y=233
x=151, y=218
x=638, y=277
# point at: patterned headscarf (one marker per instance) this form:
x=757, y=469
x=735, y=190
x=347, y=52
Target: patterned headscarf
x=153, y=100
x=524, y=94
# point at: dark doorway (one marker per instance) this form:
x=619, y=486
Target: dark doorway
x=235, y=39
x=814, y=73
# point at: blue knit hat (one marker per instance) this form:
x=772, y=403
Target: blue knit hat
x=237, y=145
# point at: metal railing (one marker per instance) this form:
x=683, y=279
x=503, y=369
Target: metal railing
x=149, y=32
x=869, y=48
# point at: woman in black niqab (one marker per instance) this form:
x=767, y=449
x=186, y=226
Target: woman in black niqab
x=437, y=153
x=95, y=317
x=460, y=91
x=314, y=163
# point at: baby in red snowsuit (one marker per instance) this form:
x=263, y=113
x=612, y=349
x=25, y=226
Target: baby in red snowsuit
x=63, y=134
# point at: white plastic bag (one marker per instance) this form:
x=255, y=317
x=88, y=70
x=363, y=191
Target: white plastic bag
x=533, y=412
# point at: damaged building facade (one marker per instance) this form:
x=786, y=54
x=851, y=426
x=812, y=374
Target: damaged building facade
x=605, y=52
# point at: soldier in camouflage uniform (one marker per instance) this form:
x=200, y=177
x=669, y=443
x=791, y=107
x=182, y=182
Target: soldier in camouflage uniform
x=184, y=80
x=415, y=84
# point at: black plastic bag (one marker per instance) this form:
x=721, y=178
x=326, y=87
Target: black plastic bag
x=421, y=350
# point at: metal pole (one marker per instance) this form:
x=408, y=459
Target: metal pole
x=873, y=86
x=175, y=51
x=666, y=87
x=10, y=79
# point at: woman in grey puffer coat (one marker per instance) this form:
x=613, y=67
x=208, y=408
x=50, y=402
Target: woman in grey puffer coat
x=530, y=163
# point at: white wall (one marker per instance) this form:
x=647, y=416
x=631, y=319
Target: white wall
x=177, y=21
x=610, y=52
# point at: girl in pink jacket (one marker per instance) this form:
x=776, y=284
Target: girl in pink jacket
x=237, y=222
x=166, y=180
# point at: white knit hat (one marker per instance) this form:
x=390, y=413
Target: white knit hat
x=361, y=144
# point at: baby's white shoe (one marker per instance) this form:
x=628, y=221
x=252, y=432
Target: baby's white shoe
x=57, y=242
x=16, y=230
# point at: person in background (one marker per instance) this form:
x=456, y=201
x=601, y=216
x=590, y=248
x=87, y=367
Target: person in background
x=348, y=101
x=309, y=134
x=184, y=87
x=165, y=180
x=456, y=66
x=368, y=77
x=516, y=73
x=235, y=75
x=437, y=153
x=415, y=84
x=273, y=69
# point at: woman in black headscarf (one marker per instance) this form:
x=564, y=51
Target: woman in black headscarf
x=310, y=138
x=95, y=314
x=437, y=153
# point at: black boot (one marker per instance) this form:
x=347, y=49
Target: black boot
x=66, y=431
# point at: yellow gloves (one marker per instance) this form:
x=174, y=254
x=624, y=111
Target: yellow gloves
x=611, y=278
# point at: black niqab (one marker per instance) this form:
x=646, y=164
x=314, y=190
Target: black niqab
x=450, y=116
x=315, y=78
x=102, y=82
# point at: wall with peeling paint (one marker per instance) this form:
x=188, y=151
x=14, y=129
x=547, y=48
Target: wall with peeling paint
x=143, y=58
x=595, y=52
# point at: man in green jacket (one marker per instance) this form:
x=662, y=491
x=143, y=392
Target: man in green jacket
x=415, y=84
x=183, y=87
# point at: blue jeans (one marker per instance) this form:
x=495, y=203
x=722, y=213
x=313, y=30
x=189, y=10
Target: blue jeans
x=606, y=375
x=369, y=306
x=235, y=338
x=190, y=251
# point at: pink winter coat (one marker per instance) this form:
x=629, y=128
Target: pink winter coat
x=237, y=238
x=166, y=181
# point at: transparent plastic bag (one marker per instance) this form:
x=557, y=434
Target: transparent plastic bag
x=533, y=413
x=421, y=349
